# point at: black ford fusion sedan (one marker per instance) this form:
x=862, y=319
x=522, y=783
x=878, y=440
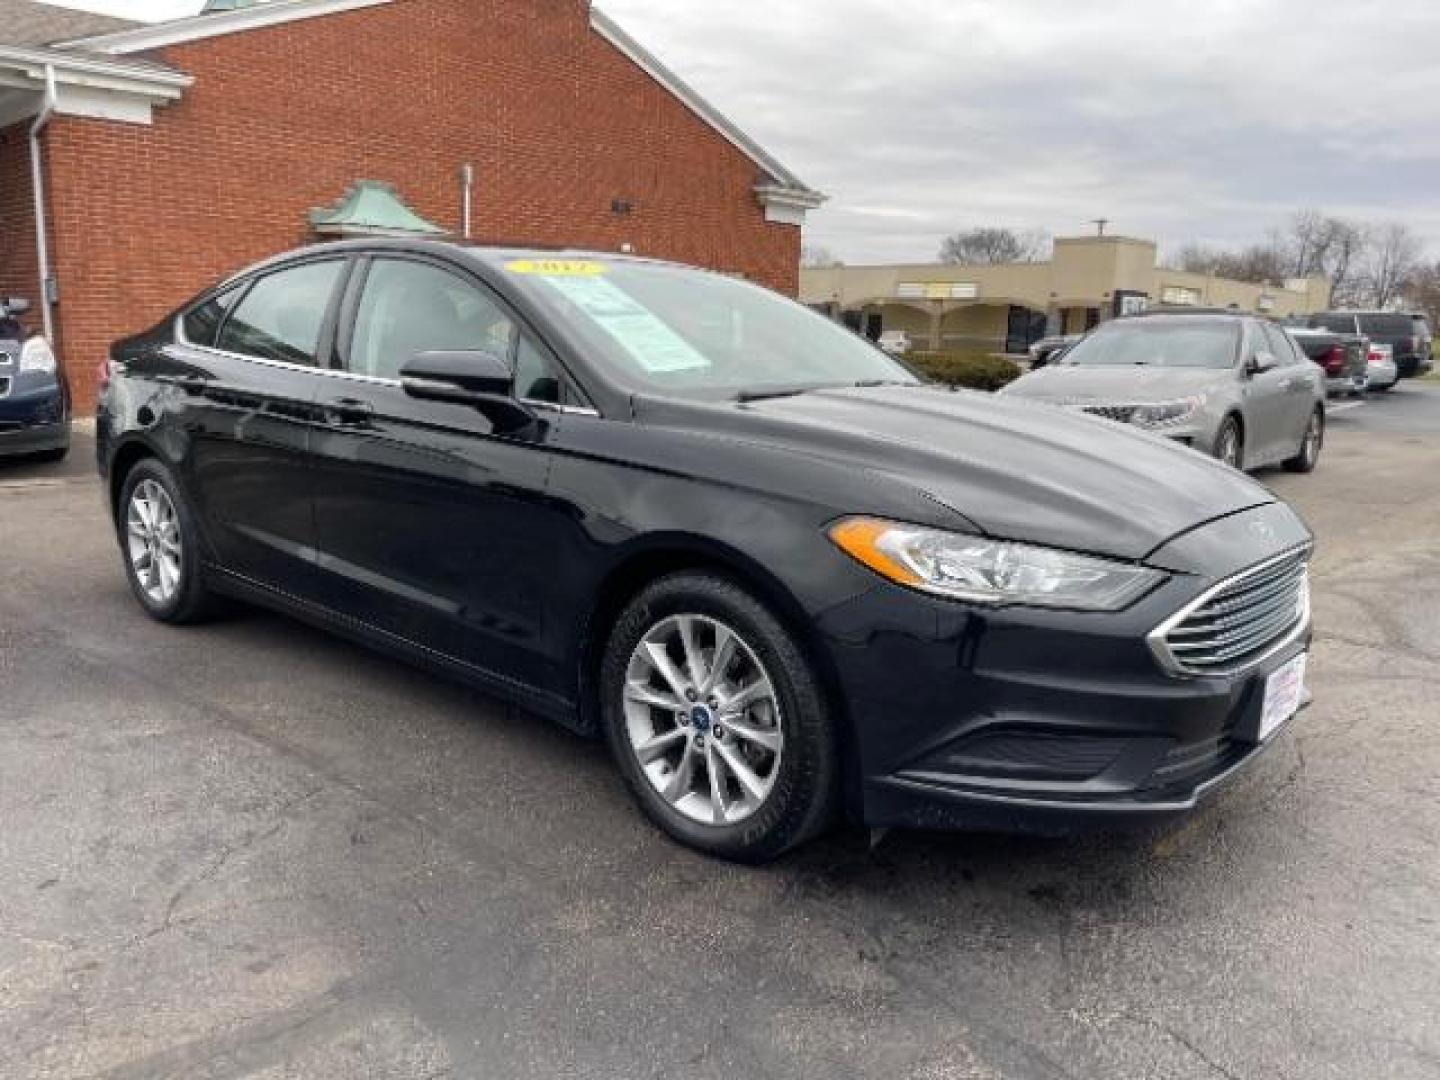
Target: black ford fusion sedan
x=786, y=581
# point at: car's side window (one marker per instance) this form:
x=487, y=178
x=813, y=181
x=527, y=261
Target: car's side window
x=537, y=378
x=1279, y=343
x=283, y=313
x=202, y=322
x=409, y=307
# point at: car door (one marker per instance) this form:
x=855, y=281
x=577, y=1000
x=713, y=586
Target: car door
x=1267, y=397
x=245, y=367
x=1300, y=385
x=432, y=518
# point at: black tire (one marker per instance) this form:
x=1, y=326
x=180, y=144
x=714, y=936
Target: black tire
x=1231, y=434
x=1309, y=455
x=192, y=602
x=801, y=803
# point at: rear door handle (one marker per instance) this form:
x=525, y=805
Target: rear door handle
x=348, y=412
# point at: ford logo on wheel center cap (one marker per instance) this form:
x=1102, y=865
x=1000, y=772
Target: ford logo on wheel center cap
x=700, y=718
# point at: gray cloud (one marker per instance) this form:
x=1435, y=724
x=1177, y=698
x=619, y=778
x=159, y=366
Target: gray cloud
x=1178, y=120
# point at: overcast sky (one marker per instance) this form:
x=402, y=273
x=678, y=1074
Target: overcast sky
x=1183, y=121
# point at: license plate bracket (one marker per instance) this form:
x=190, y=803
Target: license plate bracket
x=1282, y=695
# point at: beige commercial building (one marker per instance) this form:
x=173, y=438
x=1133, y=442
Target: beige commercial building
x=1009, y=306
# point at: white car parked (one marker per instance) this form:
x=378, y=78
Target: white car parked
x=895, y=342
x=1384, y=372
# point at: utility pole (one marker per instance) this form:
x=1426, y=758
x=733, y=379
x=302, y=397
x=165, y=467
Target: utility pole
x=1100, y=224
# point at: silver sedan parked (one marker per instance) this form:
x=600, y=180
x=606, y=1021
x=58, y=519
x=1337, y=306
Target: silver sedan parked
x=1229, y=385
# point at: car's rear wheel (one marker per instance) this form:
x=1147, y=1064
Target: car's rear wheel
x=1230, y=443
x=716, y=719
x=1310, y=446
x=161, y=546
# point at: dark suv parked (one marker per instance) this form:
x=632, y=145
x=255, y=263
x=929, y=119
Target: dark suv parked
x=1405, y=332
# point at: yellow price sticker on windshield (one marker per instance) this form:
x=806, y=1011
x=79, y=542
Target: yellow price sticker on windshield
x=558, y=267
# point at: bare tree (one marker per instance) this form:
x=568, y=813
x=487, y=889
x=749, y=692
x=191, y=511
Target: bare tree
x=1394, y=256
x=1423, y=291
x=987, y=246
x=1258, y=263
x=813, y=257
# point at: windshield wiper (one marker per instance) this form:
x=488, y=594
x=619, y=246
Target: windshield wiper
x=770, y=393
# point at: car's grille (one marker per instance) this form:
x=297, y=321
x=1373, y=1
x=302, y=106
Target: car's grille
x=1119, y=413
x=1240, y=621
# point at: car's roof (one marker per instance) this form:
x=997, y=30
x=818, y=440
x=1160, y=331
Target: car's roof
x=493, y=256
x=1172, y=311
x=1368, y=311
x=1190, y=315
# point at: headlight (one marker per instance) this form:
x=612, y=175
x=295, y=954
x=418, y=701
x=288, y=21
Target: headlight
x=35, y=355
x=991, y=571
x=1164, y=413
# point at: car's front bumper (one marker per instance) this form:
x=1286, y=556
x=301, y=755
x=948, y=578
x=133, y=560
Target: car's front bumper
x=33, y=422
x=1034, y=721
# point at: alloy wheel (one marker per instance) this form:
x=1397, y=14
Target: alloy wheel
x=1314, y=440
x=703, y=719
x=1229, y=450
x=153, y=541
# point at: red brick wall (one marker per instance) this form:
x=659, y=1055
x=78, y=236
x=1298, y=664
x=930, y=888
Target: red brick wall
x=280, y=120
x=19, y=265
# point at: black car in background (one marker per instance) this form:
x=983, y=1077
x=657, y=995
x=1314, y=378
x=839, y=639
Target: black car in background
x=34, y=401
x=1407, y=333
x=782, y=577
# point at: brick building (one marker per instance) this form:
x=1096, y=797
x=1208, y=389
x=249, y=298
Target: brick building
x=172, y=153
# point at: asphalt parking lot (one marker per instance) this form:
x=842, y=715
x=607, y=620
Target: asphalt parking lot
x=250, y=850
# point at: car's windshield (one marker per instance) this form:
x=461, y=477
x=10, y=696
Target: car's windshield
x=685, y=332
x=1159, y=342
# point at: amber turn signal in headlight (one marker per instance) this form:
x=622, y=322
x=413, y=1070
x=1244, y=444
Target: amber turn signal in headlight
x=987, y=571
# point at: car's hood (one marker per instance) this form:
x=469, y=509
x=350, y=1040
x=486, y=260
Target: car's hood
x=1129, y=385
x=1017, y=470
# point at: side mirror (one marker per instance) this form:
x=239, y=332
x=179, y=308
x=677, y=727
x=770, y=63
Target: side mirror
x=1263, y=362
x=16, y=305
x=468, y=377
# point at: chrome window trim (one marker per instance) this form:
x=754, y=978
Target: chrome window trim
x=1159, y=646
x=352, y=376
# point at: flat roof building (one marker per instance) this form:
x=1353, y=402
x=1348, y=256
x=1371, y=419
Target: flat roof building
x=1007, y=307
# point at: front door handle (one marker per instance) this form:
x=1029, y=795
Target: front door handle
x=348, y=412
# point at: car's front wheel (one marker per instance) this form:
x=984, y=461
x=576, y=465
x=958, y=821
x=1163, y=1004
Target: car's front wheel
x=1230, y=443
x=717, y=720
x=161, y=545
x=1310, y=446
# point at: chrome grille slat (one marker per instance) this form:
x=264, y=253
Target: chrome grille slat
x=1240, y=621
x=1224, y=627
x=1120, y=413
x=1222, y=652
x=1238, y=596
